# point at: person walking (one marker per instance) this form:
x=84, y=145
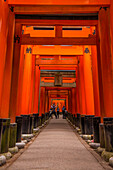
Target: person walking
x=57, y=112
x=54, y=112
x=63, y=112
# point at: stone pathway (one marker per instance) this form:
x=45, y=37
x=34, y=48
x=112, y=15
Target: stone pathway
x=56, y=148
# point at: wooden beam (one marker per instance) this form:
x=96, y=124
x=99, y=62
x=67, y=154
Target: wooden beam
x=52, y=74
x=40, y=22
x=68, y=67
x=27, y=40
x=55, y=9
x=56, y=62
x=59, y=2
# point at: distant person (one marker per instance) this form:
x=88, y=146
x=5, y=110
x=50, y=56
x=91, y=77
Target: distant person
x=50, y=113
x=58, y=112
x=53, y=110
x=63, y=112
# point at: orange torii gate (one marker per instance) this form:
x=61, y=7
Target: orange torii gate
x=13, y=20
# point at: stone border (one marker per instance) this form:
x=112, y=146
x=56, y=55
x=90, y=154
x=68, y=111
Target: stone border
x=21, y=151
x=101, y=161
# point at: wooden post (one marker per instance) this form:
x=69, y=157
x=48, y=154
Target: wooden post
x=32, y=89
x=37, y=86
x=111, y=31
x=73, y=100
x=3, y=39
x=20, y=82
x=77, y=90
x=106, y=62
x=27, y=76
x=15, y=72
x=88, y=81
x=95, y=80
x=82, y=86
x=4, y=109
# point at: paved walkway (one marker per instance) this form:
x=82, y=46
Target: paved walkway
x=56, y=148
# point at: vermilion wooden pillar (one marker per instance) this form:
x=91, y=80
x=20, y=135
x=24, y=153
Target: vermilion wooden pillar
x=4, y=107
x=3, y=39
x=88, y=81
x=95, y=80
x=46, y=101
x=41, y=101
x=111, y=31
x=15, y=72
x=20, y=78
x=106, y=62
x=77, y=90
x=36, y=89
x=100, y=75
x=20, y=82
x=73, y=100
x=31, y=102
x=27, y=77
x=82, y=86
x=69, y=103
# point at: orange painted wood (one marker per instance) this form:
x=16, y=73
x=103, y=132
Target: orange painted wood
x=26, y=40
x=74, y=101
x=37, y=85
x=95, y=80
x=100, y=75
x=27, y=77
x=32, y=89
x=15, y=74
x=20, y=82
x=88, y=83
x=68, y=67
x=111, y=29
x=56, y=62
x=46, y=101
x=4, y=109
x=106, y=62
x=40, y=22
x=70, y=101
x=59, y=2
x=78, y=90
x=55, y=9
x=58, y=31
x=3, y=41
x=41, y=106
x=57, y=50
x=82, y=86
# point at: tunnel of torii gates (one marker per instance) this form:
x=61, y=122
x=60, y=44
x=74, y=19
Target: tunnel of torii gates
x=56, y=51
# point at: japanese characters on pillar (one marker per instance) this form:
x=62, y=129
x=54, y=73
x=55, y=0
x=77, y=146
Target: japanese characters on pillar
x=27, y=77
x=15, y=71
x=88, y=81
